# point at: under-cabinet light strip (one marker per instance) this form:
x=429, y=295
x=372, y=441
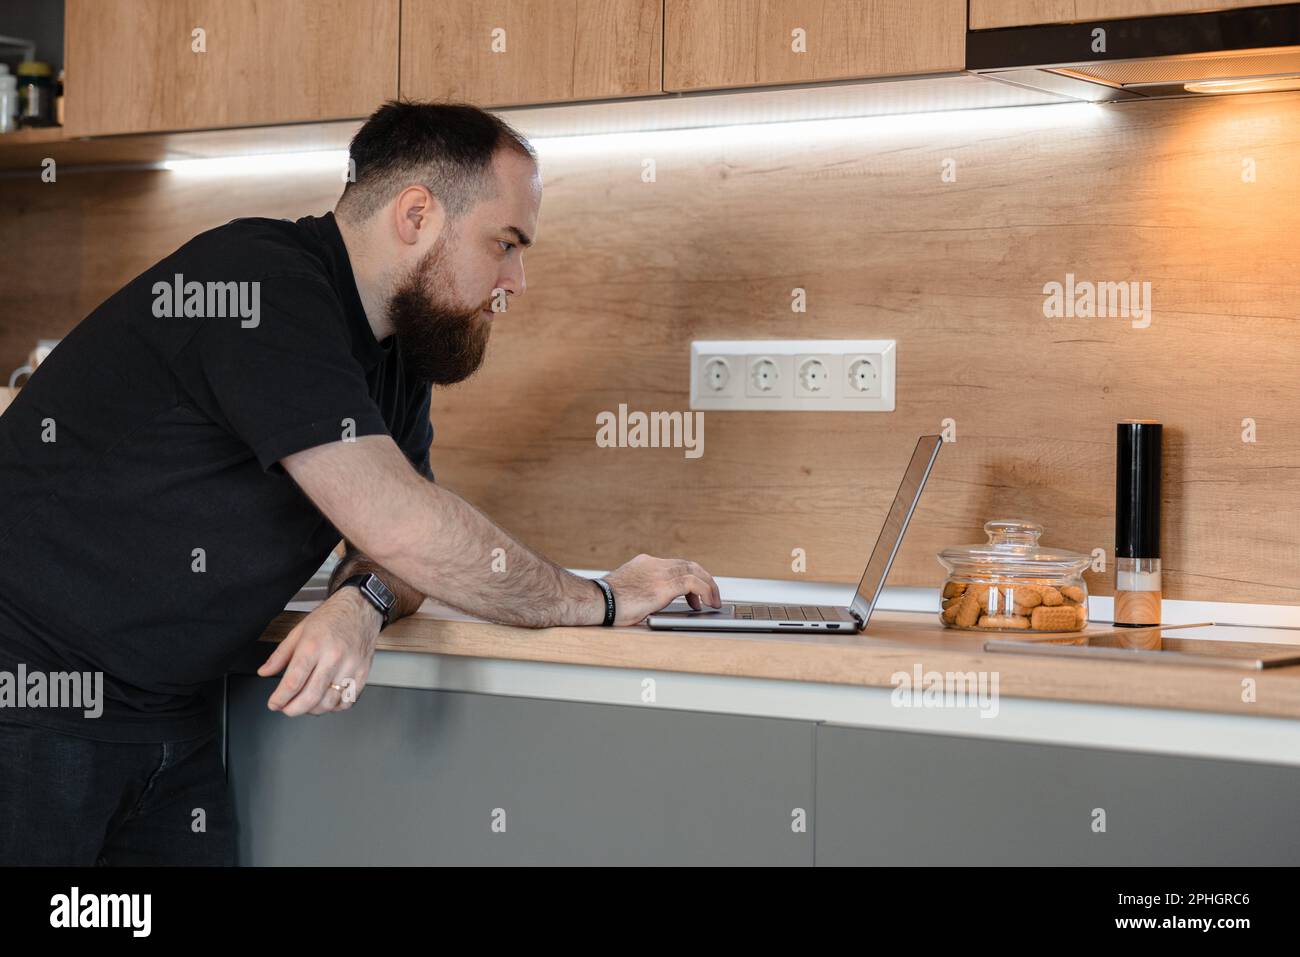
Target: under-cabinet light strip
x=994, y=119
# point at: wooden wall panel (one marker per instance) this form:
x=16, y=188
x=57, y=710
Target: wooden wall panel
x=626, y=273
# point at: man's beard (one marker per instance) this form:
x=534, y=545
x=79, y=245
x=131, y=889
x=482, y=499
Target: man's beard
x=441, y=341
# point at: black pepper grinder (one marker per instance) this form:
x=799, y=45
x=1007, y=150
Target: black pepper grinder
x=1137, y=523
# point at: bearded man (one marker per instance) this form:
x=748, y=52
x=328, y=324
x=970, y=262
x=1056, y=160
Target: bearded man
x=192, y=452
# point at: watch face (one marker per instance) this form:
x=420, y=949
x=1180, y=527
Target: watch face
x=382, y=591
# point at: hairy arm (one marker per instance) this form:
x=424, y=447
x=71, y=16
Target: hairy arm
x=444, y=547
x=434, y=541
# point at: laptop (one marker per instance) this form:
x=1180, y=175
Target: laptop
x=679, y=616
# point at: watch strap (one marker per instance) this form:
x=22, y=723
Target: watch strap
x=375, y=591
x=609, y=601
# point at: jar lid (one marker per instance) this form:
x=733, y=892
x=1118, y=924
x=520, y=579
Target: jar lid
x=34, y=68
x=1012, y=549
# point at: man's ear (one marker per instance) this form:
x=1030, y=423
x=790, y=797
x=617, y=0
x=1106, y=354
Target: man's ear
x=416, y=212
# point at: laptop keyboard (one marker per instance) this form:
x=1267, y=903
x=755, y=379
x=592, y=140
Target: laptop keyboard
x=786, y=613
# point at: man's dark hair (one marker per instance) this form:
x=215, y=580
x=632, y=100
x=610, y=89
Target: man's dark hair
x=446, y=147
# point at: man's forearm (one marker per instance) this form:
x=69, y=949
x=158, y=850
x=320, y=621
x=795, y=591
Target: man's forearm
x=458, y=556
x=441, y=545
x=409, y=599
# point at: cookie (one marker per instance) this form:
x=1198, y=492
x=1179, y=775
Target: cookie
x=1003, y=621
x=1060, y=618
x=1027, y=596
x=1008, y=599
x=949, y=614
x=968, y=610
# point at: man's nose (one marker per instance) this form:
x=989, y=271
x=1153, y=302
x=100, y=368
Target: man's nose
x=512, y=281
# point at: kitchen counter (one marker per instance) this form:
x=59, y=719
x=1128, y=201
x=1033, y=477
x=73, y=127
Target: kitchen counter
x=850, y=679
x=484, y=744
x=896, y=641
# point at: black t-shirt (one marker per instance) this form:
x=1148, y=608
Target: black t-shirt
x=146, y=529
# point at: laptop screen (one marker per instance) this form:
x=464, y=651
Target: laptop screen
x=891, y=536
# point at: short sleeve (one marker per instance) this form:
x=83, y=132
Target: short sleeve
x=286, y=378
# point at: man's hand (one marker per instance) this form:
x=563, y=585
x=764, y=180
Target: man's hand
x=334, y=645
x=646, y=584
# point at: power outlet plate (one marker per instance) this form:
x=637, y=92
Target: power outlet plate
x=800, y=375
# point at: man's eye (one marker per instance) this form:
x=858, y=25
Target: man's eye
x=506, y=245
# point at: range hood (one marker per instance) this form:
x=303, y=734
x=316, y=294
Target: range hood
x=1251, y=50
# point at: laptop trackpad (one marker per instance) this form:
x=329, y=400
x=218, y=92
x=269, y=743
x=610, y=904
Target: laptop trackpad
x=681, y=609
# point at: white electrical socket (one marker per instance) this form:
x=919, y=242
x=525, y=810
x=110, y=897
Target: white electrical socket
x=767, y=377
x=831, y=375
x=719, y=376
x=812, y=376
x=862, y=376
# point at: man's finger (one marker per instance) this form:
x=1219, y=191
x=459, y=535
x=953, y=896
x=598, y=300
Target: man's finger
x=714, y=595
x=332, y=699
x=710, y=591
x=693, y=588
x=280, y=655
x=315, y=688
x=329, y=701
x=297, y=672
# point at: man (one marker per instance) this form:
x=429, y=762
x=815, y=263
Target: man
x=191, y=453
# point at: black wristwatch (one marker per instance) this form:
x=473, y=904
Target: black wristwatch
x=375, y=592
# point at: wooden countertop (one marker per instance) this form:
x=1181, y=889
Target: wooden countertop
x=898, y=641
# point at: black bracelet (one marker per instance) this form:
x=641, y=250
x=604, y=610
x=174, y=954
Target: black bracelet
x=609, y=601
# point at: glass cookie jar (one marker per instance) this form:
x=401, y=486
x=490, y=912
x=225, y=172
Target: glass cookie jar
x=1013, y=584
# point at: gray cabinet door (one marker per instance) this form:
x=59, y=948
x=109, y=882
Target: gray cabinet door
x=431, y=777
x=894, y=797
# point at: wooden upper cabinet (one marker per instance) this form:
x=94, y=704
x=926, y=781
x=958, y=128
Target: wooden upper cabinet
x=132, y=66
x=514, y=52
x=988, y=14
x=717, y=44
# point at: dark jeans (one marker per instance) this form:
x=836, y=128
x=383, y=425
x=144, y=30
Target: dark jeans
x=66, y=800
